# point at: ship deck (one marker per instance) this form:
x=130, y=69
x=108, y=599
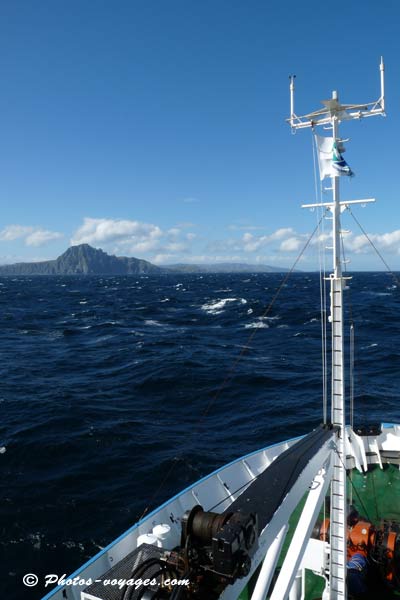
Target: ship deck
x=375, y=495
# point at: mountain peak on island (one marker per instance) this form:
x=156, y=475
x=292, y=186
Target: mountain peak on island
x=83, y=259
x=82, y=248
x=86, y=260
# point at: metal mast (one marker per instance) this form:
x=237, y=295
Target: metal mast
x=338, y=523
x=331, y=115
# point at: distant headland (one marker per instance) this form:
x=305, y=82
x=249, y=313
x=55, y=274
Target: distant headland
x=86, y=260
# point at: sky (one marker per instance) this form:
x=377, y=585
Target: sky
x=156, y=128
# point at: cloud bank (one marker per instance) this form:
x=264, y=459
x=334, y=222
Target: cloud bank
x=32, y=236
x=179, y=243
x=134, y=237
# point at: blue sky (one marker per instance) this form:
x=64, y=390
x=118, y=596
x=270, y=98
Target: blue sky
x=157, y=129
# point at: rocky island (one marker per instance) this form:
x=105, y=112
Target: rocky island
x=83, y=259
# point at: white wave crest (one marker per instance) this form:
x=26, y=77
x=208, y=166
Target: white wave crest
x=256, y=325
x=217, y=306
x=153, y=323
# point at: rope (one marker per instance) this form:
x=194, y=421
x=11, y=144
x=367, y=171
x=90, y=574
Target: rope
x=374, y=490
x=230, y=494
x=351, y=357
x=230, y=373
x=351, y=348
x=353, y=487
x=351, y=374
x=396, y=279
x=320, y=215
x=350, y=304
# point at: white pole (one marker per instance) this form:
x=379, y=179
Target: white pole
x=268, y=566
x=291, y=87
x=382, y=70
x=292, y=563
x=295, y=590
x=338, y=535
x=336, y=206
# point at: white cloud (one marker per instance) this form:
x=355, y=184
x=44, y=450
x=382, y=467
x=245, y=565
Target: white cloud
x=391, y=239
x=176, y=247
x=148, y=245
x=100, y=231
x=40, y=237
x=291, y=244
x=216, y=258
x=321, y=238
x=185, y=224
x=14, y=232
x=253, y=243
x=163, y=258
x=270, y=259
x=246, y=227
x=389, y=242
x=134, y=238
x=32, y=236
x=179, y=244
x=282, y=233
x=174, y=231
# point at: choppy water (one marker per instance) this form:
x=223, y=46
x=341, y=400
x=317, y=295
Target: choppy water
x=103, y=381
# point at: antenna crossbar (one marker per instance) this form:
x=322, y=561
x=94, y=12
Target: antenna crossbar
x=344, y=203
x=332, y=108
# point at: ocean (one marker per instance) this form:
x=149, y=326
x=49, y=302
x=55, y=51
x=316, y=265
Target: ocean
x=108, y=381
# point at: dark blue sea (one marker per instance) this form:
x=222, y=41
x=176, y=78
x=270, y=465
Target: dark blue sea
x=107, y=382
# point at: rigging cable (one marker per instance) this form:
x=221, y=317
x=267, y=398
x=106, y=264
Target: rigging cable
x=396, y=279
x=374, y=489
x=389, y=270
x=351, y=357
x=351, y=339
x=230, y=374
x=354, y=487
x=320, y=215
x=351, y=375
